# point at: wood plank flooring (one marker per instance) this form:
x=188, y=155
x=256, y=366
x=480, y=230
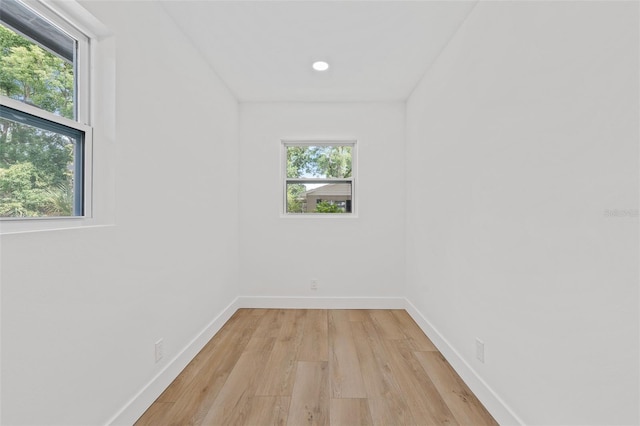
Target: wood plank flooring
x=301, y=367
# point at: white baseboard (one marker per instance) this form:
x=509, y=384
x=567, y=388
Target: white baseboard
x=133, y=409
x=321, y=302
x=492, y=401
x=152, y=390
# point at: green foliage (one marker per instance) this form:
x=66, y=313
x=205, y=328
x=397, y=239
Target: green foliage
x=23, y=191
x=50, y=152
x=26, y=191
x=8, y=41
x=35, y=164
x=295, y=198
x=319, y=161
x=327, y=207
x=296, y=161
x=35, y=76
x=59, y=200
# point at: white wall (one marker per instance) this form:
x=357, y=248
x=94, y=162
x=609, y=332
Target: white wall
x=520, y=138
x=82, y=308
x=351, y=257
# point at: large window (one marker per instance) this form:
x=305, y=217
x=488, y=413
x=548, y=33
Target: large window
x=319, y=177
x=45, y=140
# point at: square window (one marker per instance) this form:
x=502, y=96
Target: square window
x=319, y=177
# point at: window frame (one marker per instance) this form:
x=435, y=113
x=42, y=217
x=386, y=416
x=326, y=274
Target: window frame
x=86, y=155
x=285, y=143
x=82, y=89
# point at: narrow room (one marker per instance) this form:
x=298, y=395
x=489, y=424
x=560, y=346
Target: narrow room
x=319, y=212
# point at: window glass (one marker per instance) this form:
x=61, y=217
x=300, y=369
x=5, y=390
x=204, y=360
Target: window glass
x=319, y=178
x=33, y=74
x=319, y=161
x=40, y=167
x=319, y=198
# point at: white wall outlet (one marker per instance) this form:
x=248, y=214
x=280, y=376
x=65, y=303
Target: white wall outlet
x=480, y=350
x=314, y=284
x=159, y=350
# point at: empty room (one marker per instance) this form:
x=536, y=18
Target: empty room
x=319, y=212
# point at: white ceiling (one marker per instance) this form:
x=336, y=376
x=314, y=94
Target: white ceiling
x=263, y=50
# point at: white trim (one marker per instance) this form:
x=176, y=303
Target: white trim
x=319, y=142
x=86, y=29
x=41, y=113
x=282, y=302
x=78, y=17
x=83, y=80
x=353, y=143
x=489, y=398
x=141, y=401
x=318, y=216
x=45, y=9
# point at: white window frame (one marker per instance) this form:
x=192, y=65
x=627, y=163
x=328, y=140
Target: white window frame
x=82, y=63
x=352, y=180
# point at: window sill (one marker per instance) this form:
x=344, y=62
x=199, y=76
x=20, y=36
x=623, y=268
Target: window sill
x=22, y=225
x=318, y=216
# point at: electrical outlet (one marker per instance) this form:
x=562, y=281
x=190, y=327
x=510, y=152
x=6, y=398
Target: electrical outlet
x=480, y=350
x=314, y=284
x=159, y=350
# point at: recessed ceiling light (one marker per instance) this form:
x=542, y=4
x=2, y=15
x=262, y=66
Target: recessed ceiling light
x=320, y=66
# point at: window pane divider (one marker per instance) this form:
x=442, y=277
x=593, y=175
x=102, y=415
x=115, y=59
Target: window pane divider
x=40, y=113
x=321, y=180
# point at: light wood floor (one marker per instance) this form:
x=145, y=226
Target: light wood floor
x=318, y=367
